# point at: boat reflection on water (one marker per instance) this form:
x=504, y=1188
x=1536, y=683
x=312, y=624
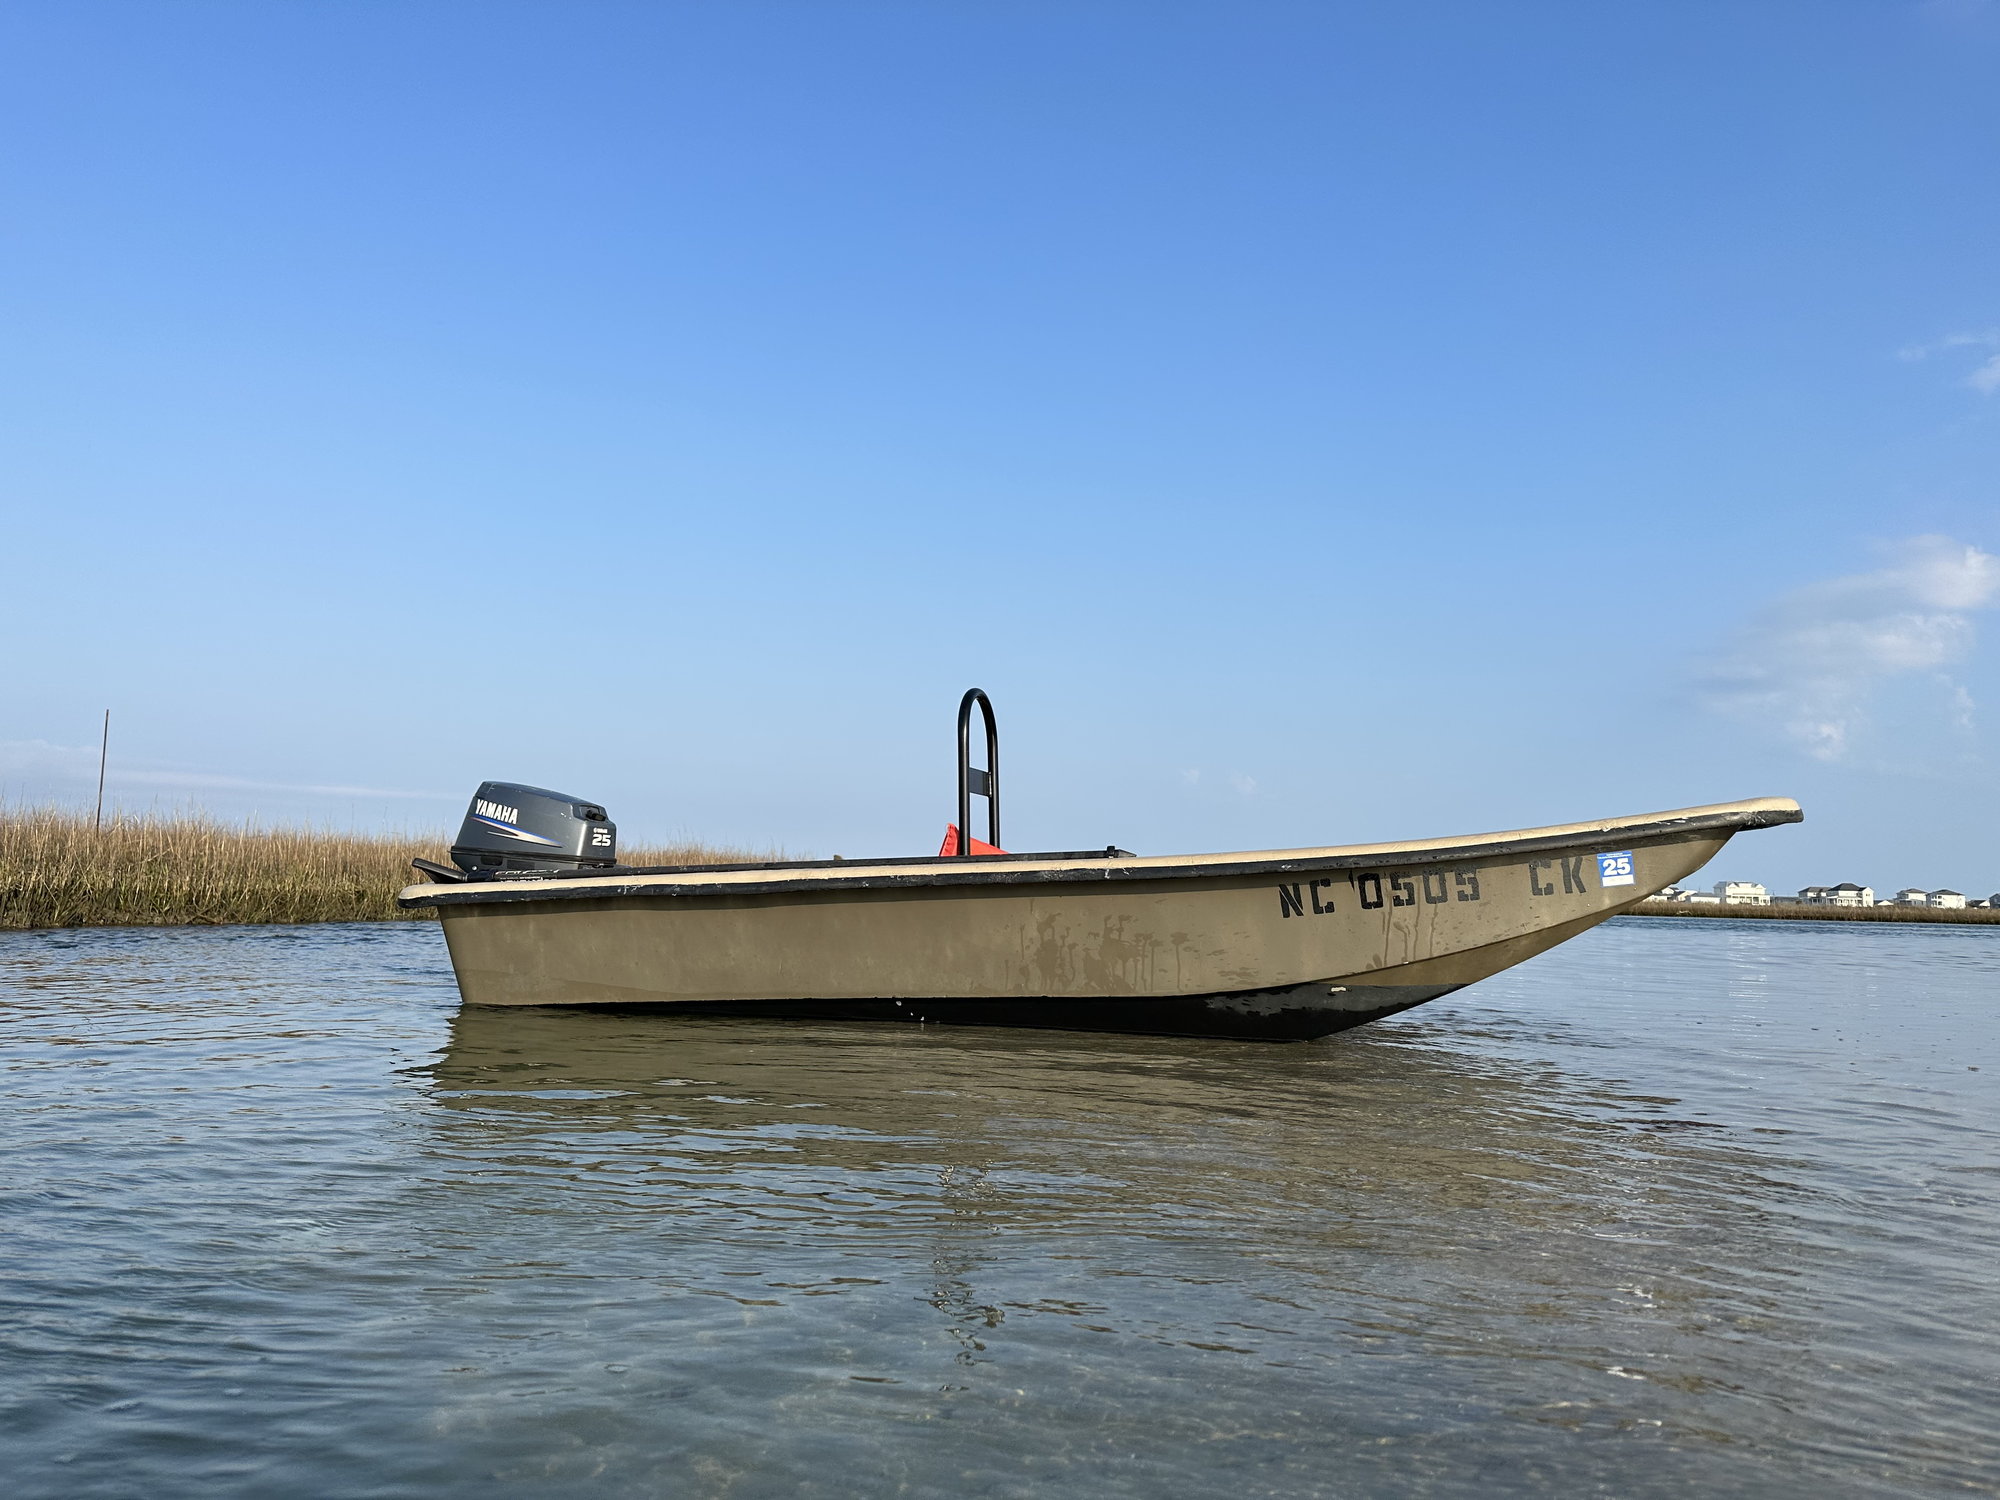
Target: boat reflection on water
x=1371, y=1181
x=1420, y=1248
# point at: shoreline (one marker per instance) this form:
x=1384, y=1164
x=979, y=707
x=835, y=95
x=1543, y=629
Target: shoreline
x=1980, y=917
x=59, y=870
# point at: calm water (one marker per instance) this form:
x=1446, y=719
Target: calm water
x=1684, y=1207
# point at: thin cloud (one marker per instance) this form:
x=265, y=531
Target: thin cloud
x=1810, y=665
x=1985, y=377
x=42, y=760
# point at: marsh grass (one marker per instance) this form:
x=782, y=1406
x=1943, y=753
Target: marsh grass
x=159, y=870
x=1786, y=912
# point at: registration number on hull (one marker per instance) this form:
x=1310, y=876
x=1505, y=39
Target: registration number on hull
x=1371, y=890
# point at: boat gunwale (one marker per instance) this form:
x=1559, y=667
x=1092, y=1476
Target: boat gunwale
x=931, y=872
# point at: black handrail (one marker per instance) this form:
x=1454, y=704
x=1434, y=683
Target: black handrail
x=971, y=780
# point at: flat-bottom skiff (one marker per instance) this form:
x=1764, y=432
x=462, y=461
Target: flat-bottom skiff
x=1286, y=943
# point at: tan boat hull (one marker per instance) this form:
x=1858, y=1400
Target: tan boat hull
x=1293, y=943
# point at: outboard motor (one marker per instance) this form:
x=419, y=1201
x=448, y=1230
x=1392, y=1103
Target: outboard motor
x=512, y=827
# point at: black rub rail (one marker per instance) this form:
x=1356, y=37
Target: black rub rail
x=1093, y=867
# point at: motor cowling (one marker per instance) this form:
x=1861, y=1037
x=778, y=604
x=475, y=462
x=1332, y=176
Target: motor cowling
x=515, y=827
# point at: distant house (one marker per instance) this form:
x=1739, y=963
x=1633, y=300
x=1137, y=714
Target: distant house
x=1741, y=893
x=1701, y=898
x=1847, y=893
x=1910, y=896
x=1947, y=901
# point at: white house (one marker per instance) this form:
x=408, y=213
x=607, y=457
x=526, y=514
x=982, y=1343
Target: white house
x=1742, y=893
x=1909, y=895
x=1947, y=901
x=1687, y=897
x=1847, y=893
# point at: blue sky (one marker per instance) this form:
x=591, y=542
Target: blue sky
x=1311, y=423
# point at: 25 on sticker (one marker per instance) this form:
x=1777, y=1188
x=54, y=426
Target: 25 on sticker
x=1615, y=869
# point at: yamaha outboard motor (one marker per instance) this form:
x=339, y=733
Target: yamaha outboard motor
x=510, y=827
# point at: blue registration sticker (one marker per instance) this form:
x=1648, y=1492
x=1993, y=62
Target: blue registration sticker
x=1615, y=869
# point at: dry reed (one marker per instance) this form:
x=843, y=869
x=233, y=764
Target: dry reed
x=1786, y=912
x=157, y=871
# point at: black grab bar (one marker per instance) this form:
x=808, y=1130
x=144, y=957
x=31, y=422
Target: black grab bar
x=972, y=781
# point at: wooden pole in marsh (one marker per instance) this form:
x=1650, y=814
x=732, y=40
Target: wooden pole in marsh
x=103, y=752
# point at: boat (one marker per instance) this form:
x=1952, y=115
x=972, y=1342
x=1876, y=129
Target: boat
x=1281, y=944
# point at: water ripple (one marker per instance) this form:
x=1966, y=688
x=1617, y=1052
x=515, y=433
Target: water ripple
x=1674, y=1209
